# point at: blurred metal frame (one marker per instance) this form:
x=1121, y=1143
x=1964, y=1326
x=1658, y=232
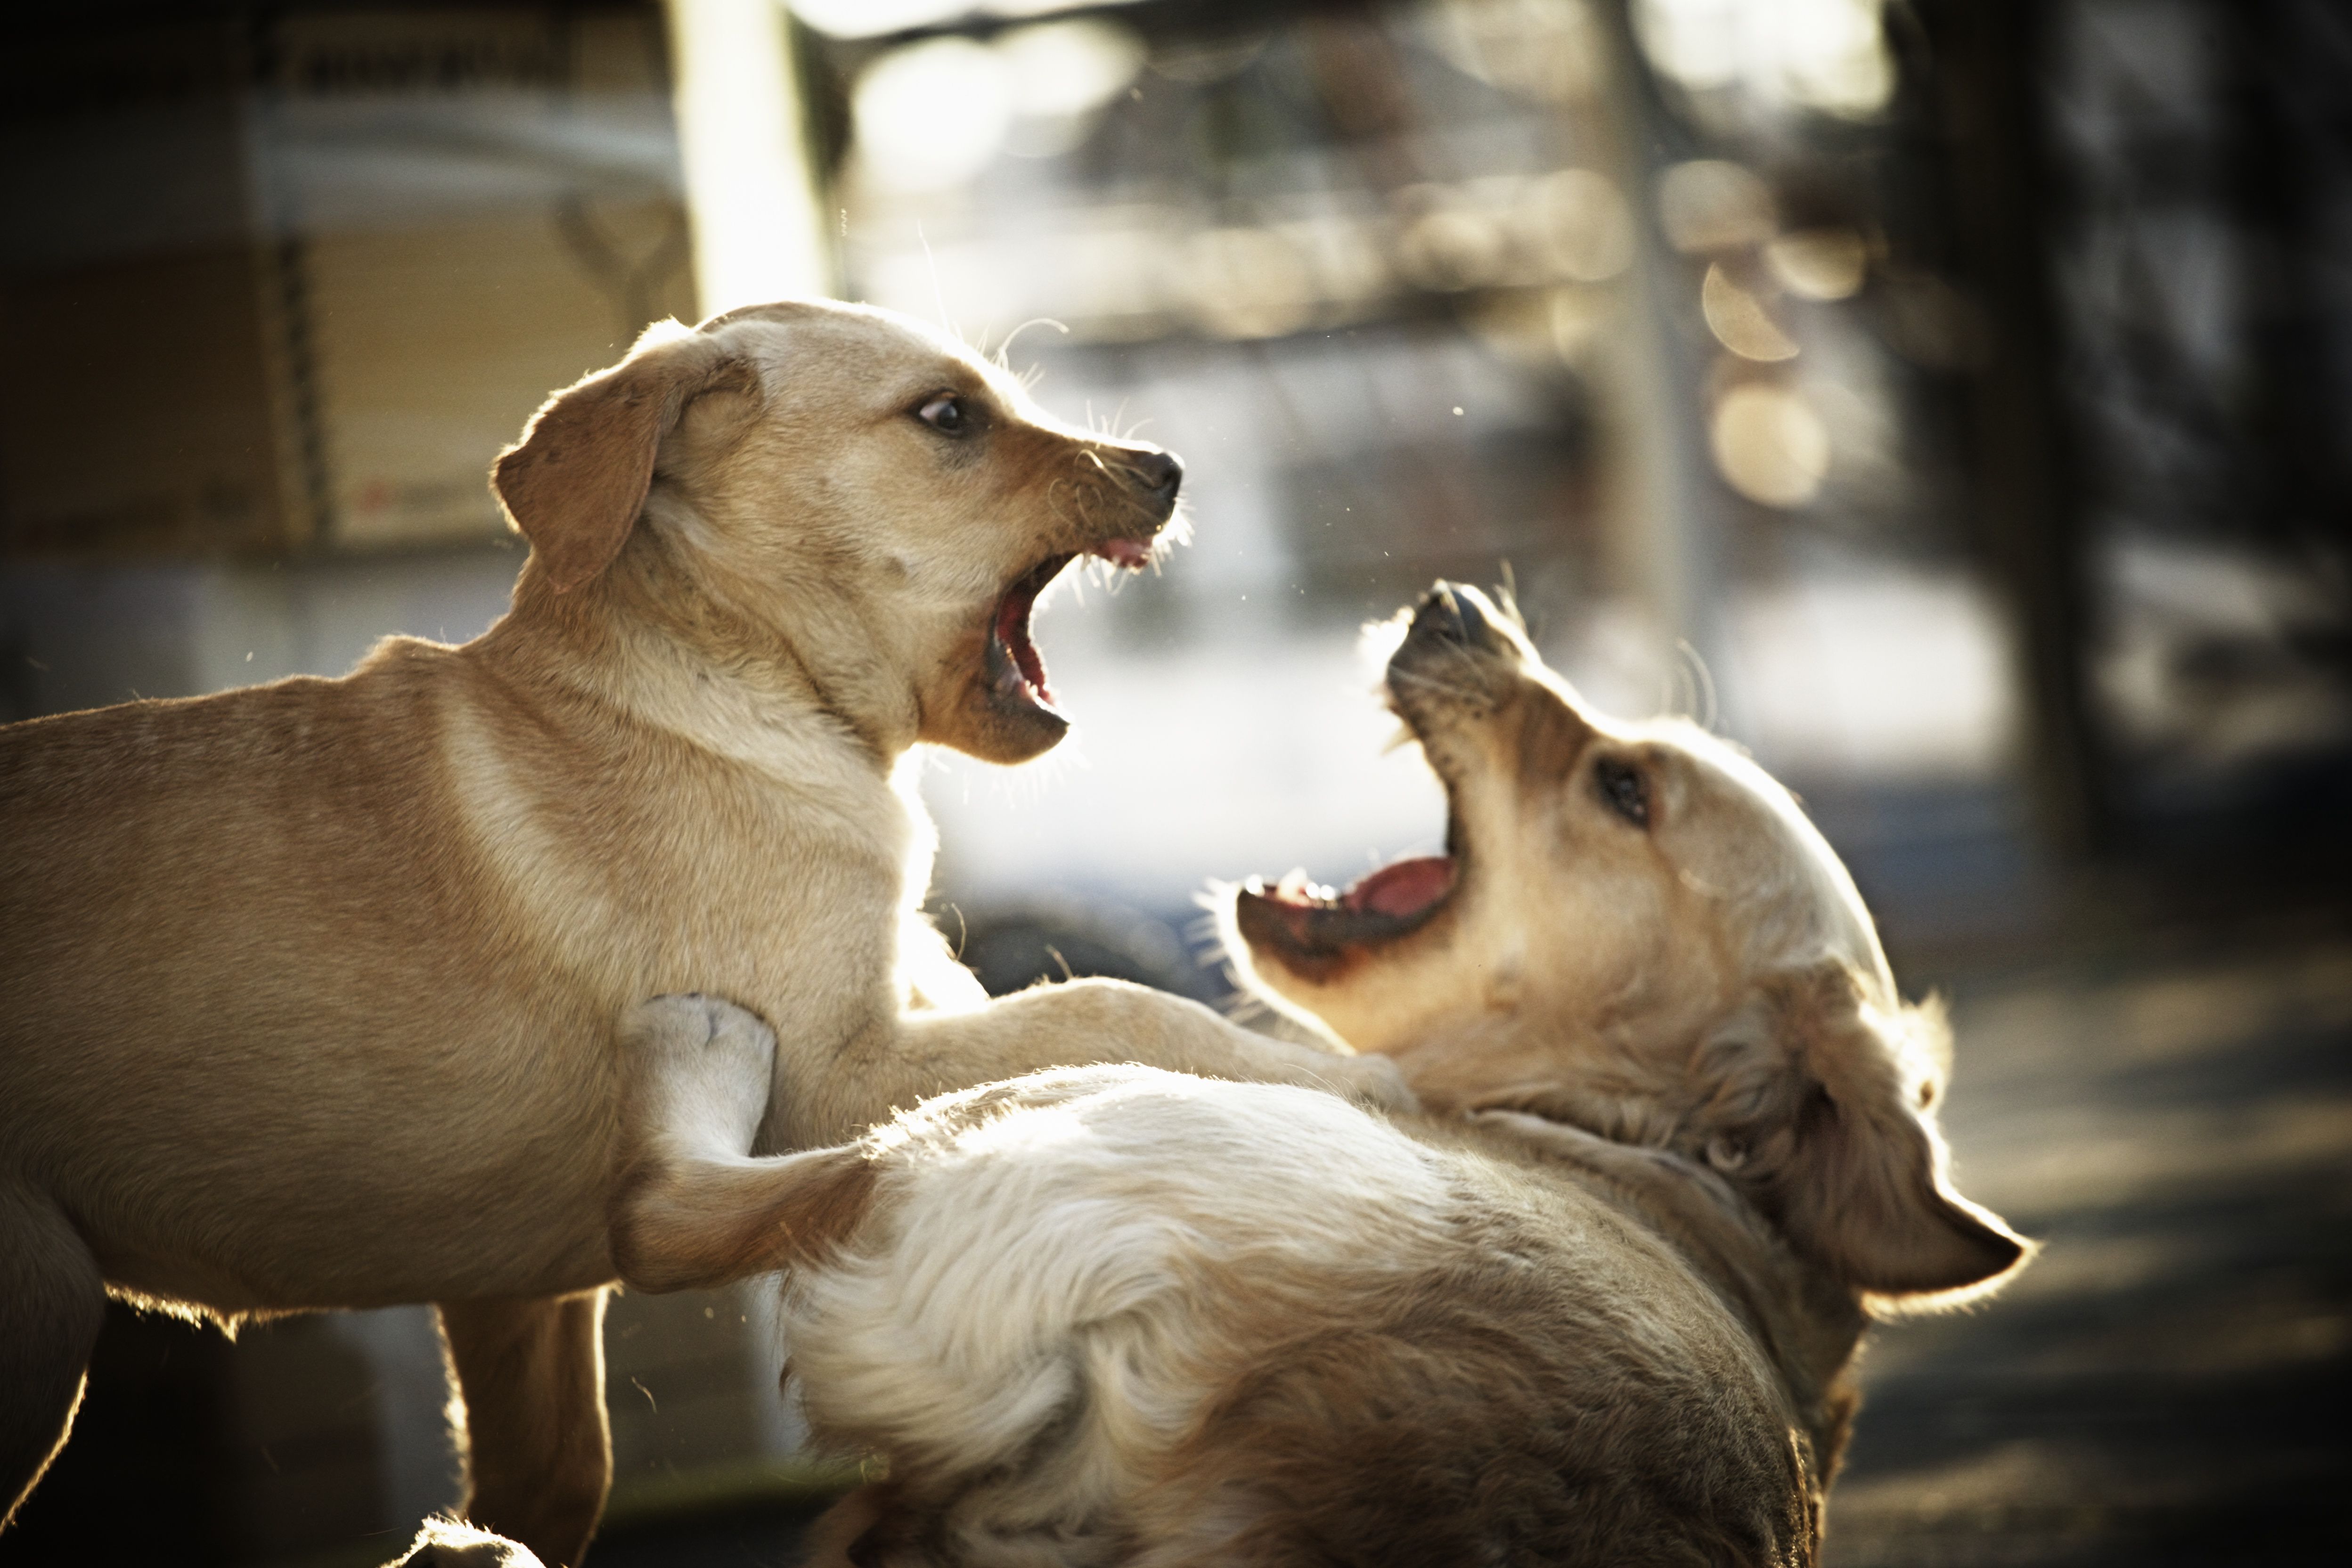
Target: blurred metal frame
x=1985, y=71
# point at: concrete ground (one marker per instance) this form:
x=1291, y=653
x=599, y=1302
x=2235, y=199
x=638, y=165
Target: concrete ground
x=2166, y=1383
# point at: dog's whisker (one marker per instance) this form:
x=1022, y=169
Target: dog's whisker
x=1055, y=503
x=1507, y=597
x=1005, y=347
x=1703, y=684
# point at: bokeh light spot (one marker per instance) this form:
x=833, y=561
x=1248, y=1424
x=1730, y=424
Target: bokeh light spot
x=1739, y=320
x=1585, y=232
x=933, y=114
x=1819, y=263
x=1769, y=444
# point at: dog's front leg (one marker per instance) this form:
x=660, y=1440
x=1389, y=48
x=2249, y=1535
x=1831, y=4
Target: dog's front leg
x=52, y=1300
x=1082, y=1022
x=530, y=1379
x=696, y=1210
x=699, y=1212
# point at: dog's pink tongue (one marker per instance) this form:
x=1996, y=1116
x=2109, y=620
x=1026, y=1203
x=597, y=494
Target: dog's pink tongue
x=1406, y=887
x=1128, y=552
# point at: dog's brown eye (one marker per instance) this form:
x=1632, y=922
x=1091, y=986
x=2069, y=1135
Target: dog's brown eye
x=1623, y=790
x=945, y=413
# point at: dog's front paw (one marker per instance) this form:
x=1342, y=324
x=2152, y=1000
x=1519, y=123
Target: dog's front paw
x=708, y=1064
x=1374, y=1081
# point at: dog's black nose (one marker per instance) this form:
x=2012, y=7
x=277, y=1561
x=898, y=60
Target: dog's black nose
x=1449, y=614
x=1160, y=474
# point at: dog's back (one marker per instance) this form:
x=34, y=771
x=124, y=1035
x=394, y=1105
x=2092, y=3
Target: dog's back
x=1118, y=1315
x=1554, y=1391
x=222, y=916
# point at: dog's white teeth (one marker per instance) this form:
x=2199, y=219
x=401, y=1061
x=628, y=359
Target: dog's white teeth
x=1404, y=737
x=1297, y=887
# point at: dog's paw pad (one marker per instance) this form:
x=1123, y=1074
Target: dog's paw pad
x=1380, y=1083
x=688, y=1025
x=707, y=1064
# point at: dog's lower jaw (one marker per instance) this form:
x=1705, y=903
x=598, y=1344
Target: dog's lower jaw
x=990, y=714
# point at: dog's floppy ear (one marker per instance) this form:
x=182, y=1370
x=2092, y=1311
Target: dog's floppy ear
x=1855, y=1167
x=576, y=481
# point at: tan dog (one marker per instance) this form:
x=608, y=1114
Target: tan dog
x=1120, y=1315
x=312, y=988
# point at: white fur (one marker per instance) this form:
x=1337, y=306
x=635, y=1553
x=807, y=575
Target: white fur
x=1062, y=1258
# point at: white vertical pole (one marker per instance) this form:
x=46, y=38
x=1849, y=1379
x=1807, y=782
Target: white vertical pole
x=758, y=232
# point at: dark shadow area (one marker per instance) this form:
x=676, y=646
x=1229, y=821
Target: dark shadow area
x=150, y=1427
x=766, y=1536
x=2165, y=1384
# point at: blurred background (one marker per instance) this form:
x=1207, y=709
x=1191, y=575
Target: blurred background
x=1950, y=400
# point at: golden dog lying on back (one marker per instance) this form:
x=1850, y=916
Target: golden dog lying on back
x=1599, y=1306
x=311, y=989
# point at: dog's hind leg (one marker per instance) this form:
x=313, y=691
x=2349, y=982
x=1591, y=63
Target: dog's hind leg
x=52, y=1300
x=530, y=1382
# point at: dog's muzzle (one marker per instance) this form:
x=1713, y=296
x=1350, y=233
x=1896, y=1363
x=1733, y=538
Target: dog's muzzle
x=1159, y=476
x=1446, y=615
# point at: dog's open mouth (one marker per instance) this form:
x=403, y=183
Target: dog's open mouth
x=1016, y=671
x=1301, y=920
x=1311, y=928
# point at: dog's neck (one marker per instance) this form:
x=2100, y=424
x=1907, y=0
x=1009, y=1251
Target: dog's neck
x=1810, y=1322
x=629, y=641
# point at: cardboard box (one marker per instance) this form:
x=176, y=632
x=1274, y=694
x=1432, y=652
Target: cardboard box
x=294, y=287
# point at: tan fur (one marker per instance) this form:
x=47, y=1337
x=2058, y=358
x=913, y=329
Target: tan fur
x=1604, y=1312
x=1116, y=1315
x=1708, y=982
x=313, y=988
